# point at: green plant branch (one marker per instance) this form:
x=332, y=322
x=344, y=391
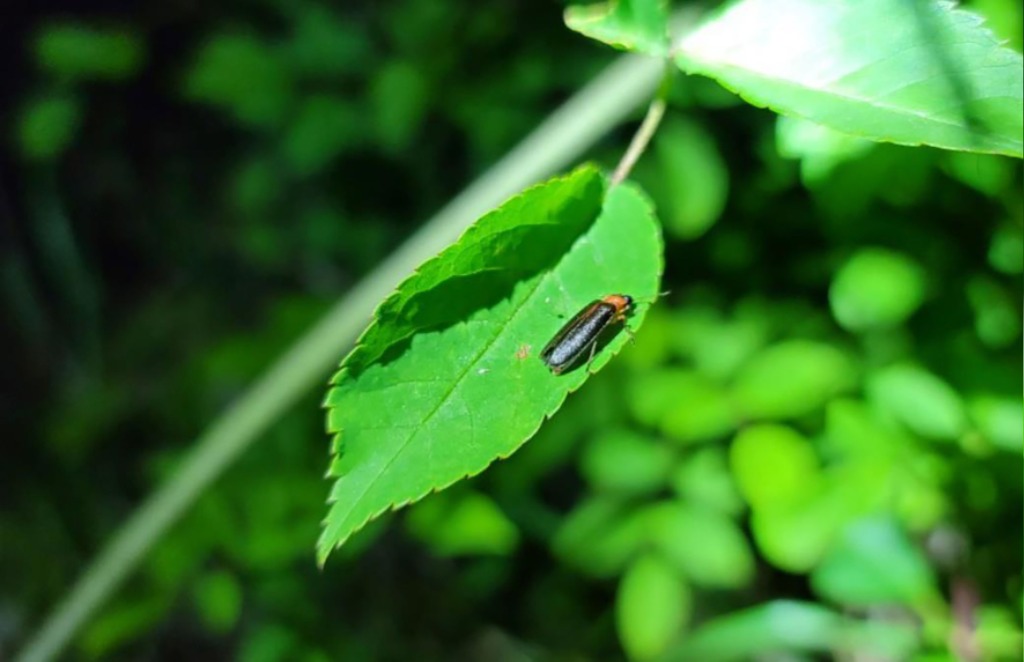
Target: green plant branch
x=559, y=141
x=648, y=127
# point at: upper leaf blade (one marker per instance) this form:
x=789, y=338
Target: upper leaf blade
x=631, y=25
x=447, y=379
x=914, y=73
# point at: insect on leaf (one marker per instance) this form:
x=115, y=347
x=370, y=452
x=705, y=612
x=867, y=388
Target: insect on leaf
x=447, y=378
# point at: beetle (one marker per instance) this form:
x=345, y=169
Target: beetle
x=581, y=332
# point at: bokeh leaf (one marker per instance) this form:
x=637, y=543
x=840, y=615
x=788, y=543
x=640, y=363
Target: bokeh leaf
x=774, y=466
x=601, y=535
x=324, y=126
x=1000, y=420
x=652, y=605
x=874, y=562
x=925, y=404
x=47, y=125
x=779, y=626
x=876, y=288
x=627, y=462
x=792, y=378
x=705, y=545
x=693, y=175
x=632, y=25
x=244, y=76
x=819, y=148
x=80, y=52
x=467, y=523
x=703, y=478
x=787, y=626
x=905, y=72
x=447, y=378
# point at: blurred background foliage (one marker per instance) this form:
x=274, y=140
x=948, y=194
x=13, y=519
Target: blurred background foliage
x=813, y=447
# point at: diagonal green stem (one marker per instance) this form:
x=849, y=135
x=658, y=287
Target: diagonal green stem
x=648, y=126
x=559, y=141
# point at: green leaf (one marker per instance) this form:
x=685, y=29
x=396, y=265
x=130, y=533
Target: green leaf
x=400, y=96
x=988, y=174
x=876, y=288
x=447, y=378
x=791, y=379
x=786, y=626
x=774, y=466
x=123, y=622
x=796, y=511
x=684, y=405
x=243, y=75
x=996, y=320
x=218, y=598
x=47, y=126
x=324, y=45
x=796, y=537
x=651, y=608
x=1006, y=252
x=323, y=128
x=905, y=72
x=926, y=405
x=705, y=545
x=704, y=479
x=874, y=563
x=819, y=148
x=693, y=178
x=600, y=536
x=469, y=523
x=79, y=52
x=631, y=25
x=774, y=627
x=1000, y=421
x=624, y=461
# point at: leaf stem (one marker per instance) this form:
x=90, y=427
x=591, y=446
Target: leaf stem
x=643, y=135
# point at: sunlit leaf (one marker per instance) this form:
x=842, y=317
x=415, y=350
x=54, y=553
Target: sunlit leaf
x=905, y=72
x=632, y=25
x=447, y=379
